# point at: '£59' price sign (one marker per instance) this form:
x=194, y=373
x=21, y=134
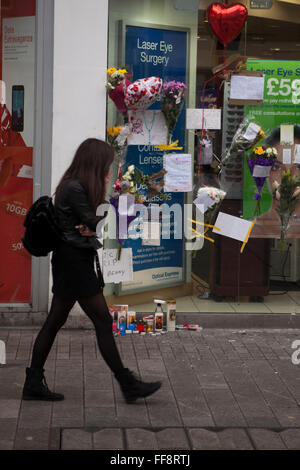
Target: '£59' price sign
x=284, y=87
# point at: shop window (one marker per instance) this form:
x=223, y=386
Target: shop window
x=17, y=75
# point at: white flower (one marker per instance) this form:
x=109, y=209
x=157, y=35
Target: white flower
x=275, y=184
x=274, y=150
x=126, y=176
x=269, y=151
x=217, y=195
x=130, y=169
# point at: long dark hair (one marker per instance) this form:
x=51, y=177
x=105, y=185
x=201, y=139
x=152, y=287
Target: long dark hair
x=90, y=166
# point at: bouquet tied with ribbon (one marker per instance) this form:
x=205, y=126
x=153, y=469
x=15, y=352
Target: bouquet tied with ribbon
x=260, y=163
x=287, y=196
x=172, y=100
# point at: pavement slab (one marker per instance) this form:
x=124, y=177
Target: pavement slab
x=228, y=389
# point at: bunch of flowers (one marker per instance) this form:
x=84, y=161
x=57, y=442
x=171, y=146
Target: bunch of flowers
x=246, y=137
x=212, y=198
x=287, y=196
x=172, y=99
x=127, y=186
x=115, y=77
x=116, y=87
x=258, y=160
x=117, y=138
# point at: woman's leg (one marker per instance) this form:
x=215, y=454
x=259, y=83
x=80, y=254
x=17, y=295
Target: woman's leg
x=57, y=317
x=96, y=309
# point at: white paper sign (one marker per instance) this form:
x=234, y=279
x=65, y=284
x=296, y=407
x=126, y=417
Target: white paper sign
x=260, y=171
x=115, y=270
x=297, y=153
x=205, y=201
x=287, y=156
x=147, y=128
x=25, y=172
x=212, y=118
x=179, y=172
x=2, y=92
x=232, y=227
x=151, y=233
x=247, y=88
x=251, y=131
x=286, y=134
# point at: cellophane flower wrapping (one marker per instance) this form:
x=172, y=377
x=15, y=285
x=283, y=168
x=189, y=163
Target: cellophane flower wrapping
x=241, y=144
x=262, y=157
x=287, y=196
x=172, y=100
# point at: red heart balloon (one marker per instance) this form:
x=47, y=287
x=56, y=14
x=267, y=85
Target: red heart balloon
x=227, y=21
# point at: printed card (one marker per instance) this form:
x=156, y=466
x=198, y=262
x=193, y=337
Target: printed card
x=212, y=118
x=232, y=227
x=287, y=156
x=286, y=134
x=261, y=171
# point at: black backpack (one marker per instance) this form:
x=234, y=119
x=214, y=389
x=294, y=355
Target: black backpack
x=42, y=232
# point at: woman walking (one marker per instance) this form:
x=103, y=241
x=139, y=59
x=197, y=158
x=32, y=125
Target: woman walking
x=80, y=191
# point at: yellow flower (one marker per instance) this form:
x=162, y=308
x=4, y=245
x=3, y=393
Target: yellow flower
x=110, y=131
x=111, y=70
x=261, y=134
x=122, y=71
x=259, y=151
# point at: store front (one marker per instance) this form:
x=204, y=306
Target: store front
x=25, y=150
x=175, y=41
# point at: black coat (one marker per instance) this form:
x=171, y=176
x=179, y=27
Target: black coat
x=73, y=208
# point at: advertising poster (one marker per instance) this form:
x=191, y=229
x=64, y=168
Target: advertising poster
x=16, y=150
x=278, y=115
x=159, y=53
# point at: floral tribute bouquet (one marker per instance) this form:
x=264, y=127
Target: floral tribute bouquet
x=212, y=198
x=117, y=138
x=127, y=186
x=117, y=84
x=260, y=162
x=172, y=99
x=246, y=137
x=287, y=196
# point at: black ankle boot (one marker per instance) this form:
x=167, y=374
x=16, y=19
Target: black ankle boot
x=36, y=388
x=134, y=388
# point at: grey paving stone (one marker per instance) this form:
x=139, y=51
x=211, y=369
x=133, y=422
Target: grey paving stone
x=234, y=439
x=224, y=408
x=141, y=439
x=203, y=439
x=9, y=408
x=133, y=415
x=76, y=439
x=54, y=439
x=32, y=439
x=265, y=439
x=291, y=438
x=98, y=398
x=6, y=445
x=101, y=417
x=35, y=415
x=172, y=439
x=108, y=439
x=8, y=429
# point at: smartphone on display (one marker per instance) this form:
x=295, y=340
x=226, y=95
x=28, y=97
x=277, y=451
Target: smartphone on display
x=17, y=108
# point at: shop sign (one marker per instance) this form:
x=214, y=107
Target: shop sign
x=161, y=53
x=261, y=4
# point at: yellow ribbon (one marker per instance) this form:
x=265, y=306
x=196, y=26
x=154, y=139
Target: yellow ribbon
x=172, y=146
x=248, y=235
x=202, y=223
x=201, y=235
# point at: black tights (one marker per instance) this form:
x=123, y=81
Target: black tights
x=96, y=309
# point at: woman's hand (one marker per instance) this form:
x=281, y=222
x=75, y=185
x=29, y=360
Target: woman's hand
x=85, y=231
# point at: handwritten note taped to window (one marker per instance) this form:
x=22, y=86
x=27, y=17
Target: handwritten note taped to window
x=179, y=172
x=246, y=88
x=232, y=227
x=115, y=270
x=211, y=118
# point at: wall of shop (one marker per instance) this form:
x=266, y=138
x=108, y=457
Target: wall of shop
x=79, y=77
